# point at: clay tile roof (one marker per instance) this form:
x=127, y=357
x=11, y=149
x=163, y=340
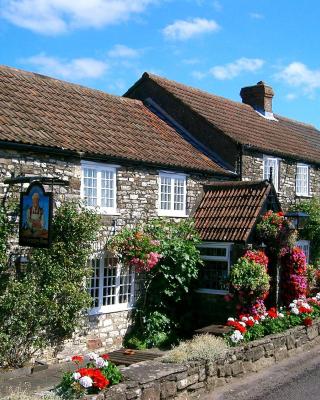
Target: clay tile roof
x=228, y=211
x=43, y=111
x=243, y=124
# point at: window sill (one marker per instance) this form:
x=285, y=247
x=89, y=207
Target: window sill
x=212, y=291
x=110, y=309
x=304, y=196
x=172, y=215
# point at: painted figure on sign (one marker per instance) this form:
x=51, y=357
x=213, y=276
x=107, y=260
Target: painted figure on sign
x=35, y=215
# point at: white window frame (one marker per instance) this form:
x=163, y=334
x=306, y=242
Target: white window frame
x=305, y=246
x=306, y=168
x=275, y=171
x=220, y=245
x=100, y=167
x=172, y=212
x=106, y=309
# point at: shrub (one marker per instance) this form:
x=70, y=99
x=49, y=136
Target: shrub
x=44, y=305
x=162, y=305
x=294, y=282
x=311, y=231
x=201, y=347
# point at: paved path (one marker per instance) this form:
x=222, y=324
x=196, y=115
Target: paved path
x=38, y=382
x=297, y=378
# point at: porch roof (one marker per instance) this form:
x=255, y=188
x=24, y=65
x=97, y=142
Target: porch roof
x=228, y=211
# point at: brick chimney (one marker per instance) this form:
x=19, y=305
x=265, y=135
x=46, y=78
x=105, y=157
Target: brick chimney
x=259, y=97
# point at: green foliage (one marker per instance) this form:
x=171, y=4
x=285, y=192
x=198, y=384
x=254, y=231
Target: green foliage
x=311, y=230
x=44, y=305
x=249, y=276
x=163, y=304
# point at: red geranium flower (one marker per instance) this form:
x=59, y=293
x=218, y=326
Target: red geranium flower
x=249, y=322
x=272, y=313
x=99, y=380
x=307, y=321
x=77, y=359
x=105, y=356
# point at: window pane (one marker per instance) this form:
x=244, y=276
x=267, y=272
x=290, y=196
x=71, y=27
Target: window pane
x=213, y=251
x=95, y=280
x=90, y=186
x=214, y=274
x=302, y=180
x=165, y=190
x=179, y=194
x=109, y=295
x=107, y=189
x=271, y=168
x=126, y=286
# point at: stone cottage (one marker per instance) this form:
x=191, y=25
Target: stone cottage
x=117, y=155
x=249, y=138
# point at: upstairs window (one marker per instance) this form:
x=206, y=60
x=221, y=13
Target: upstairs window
x=213, y=275
x=271, y=168
x=98, y=186
x=302, y=180
x=172, y=195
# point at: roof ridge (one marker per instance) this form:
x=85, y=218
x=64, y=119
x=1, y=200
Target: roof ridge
x=224, y=99
x=297, y=122
x=195, y=89
x=36, y=75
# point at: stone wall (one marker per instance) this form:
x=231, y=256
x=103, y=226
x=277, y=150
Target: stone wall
x=137, y=197
x=155, y=380
x=252, y=169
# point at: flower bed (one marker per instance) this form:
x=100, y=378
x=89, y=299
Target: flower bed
x=91, y=378
x=250, y=327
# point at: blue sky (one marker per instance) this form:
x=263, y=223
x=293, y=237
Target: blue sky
x=216, y=45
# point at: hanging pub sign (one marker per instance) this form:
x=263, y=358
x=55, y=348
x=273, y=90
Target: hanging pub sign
x=35, y=217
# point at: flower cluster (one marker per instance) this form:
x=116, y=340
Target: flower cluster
x=258, y=257
x=294, y=280
x=273, y=228
x=249, y=327
x=138, y=249
x=97, y=374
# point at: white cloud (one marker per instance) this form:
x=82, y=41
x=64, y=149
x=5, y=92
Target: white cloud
x=121, y=51
x=191, y=61
x=217, y=5
x=198, y=75
x=298, y=74
x=186, y=29
x=75, y=69
x=53, y=17
x=291, y=96
x=231, y=70
x=255, y=15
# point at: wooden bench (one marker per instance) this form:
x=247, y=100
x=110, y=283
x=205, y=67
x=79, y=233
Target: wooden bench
x=127, y=357
x=217, y=330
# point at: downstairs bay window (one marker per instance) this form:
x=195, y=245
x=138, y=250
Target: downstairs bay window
x=215, y=271
x=112, y=287
x=304, y=245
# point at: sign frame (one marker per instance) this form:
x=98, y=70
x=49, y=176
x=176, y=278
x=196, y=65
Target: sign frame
x=31, y=233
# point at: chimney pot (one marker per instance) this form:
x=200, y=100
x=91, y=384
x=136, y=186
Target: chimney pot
x=259, y=97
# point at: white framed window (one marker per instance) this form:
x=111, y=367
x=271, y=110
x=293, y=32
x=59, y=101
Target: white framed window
x=172, y=194
x=215, y=271
x=112, y=287
x=271, y=168
x=302, y=180
x=304, y=245
x=99, y=186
